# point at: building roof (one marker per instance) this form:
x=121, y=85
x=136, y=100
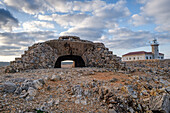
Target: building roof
x=139, y=52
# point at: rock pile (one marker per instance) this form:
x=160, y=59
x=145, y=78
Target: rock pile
x=49, y=54
x=84, y=90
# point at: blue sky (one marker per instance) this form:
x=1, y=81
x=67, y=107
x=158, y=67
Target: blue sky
x=122, y=25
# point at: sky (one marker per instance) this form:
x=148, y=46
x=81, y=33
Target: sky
x=122, y=25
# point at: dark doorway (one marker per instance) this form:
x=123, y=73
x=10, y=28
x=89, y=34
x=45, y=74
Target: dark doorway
x=79, y=62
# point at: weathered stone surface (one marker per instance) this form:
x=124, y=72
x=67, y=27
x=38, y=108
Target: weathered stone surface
x=55, y=78
x=160, y=103
x=130, y=93
x=155, y=66
x=38, y=83
x=9, y=87
x=112, y=111
x=49, y=54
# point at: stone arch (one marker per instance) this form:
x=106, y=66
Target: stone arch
x=49, y=54
x=79, y=62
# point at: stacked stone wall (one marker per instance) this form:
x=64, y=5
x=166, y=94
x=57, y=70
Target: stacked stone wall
x=153, y=64
x=44, y=55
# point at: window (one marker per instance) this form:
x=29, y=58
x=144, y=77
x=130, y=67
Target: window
x=129, y=58
x=134, y=58
x=126, y=58
x=150, y=57
x=138, y=58
x=146, y=57
x=162, y=57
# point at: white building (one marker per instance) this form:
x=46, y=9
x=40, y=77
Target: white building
x=142, y=55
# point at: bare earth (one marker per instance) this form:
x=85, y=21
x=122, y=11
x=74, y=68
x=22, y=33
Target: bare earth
x=80, y=90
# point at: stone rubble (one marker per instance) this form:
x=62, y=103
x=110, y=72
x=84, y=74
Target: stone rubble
x=45, y=55
x=84, y=90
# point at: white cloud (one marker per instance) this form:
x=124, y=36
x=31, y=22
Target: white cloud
x=7, y=21
x=16, y=43
x=124, y=38
x=40, y=6
x=88, y=6
x=37, y=25
x=113, y=11
x=60, y=5
x=157, y=11
x=28, y=6
x=1, y=3
x=99, y=22
x=138, y=20
x=45, y=17
x=64, y=20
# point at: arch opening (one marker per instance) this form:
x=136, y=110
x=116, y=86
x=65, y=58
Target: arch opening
x=67, y=64
x=78, y=61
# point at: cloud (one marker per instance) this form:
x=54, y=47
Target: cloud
x=124, y=38
x=37, y=25
x=7, y=21
x=64, y=20
x=16, y=43
x=88, y=6
x=85, y=33
x=157, y=11
x=60, y=5
x=113, y=11
x=138, y=19
x=39, y=6
x=27, y=6
x=9, y=50
x=93, y=26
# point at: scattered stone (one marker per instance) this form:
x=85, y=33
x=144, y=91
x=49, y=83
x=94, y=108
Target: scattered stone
x=160, y=103
x=84, y=102
x=32, y=92
x=114, y=80
x=77, y=101
x=38, y=84
x=9, y=87
x=142, y=93
x=112, y=111
x=55, y=78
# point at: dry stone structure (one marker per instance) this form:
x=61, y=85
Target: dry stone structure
x=49, y=54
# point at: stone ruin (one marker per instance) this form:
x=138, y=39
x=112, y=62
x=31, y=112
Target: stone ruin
x=51, y=53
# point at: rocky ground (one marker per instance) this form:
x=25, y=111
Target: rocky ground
x=91, y=90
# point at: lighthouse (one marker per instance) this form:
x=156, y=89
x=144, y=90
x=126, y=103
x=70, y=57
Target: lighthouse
x=155, y=50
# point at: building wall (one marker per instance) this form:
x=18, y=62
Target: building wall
x=133, y=57
x=155, y=51
x=148, y=56
x=140, y=57
x=161, y=57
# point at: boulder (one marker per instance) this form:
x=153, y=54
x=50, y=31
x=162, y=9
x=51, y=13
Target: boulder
x=160, y=103
x=55, y=78
x=9, y=87
x=32, y=92
x=39, y=83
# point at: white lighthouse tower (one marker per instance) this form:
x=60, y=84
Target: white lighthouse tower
x=155, y=50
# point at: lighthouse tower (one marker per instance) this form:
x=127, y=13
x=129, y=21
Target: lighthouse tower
x=155, y=50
